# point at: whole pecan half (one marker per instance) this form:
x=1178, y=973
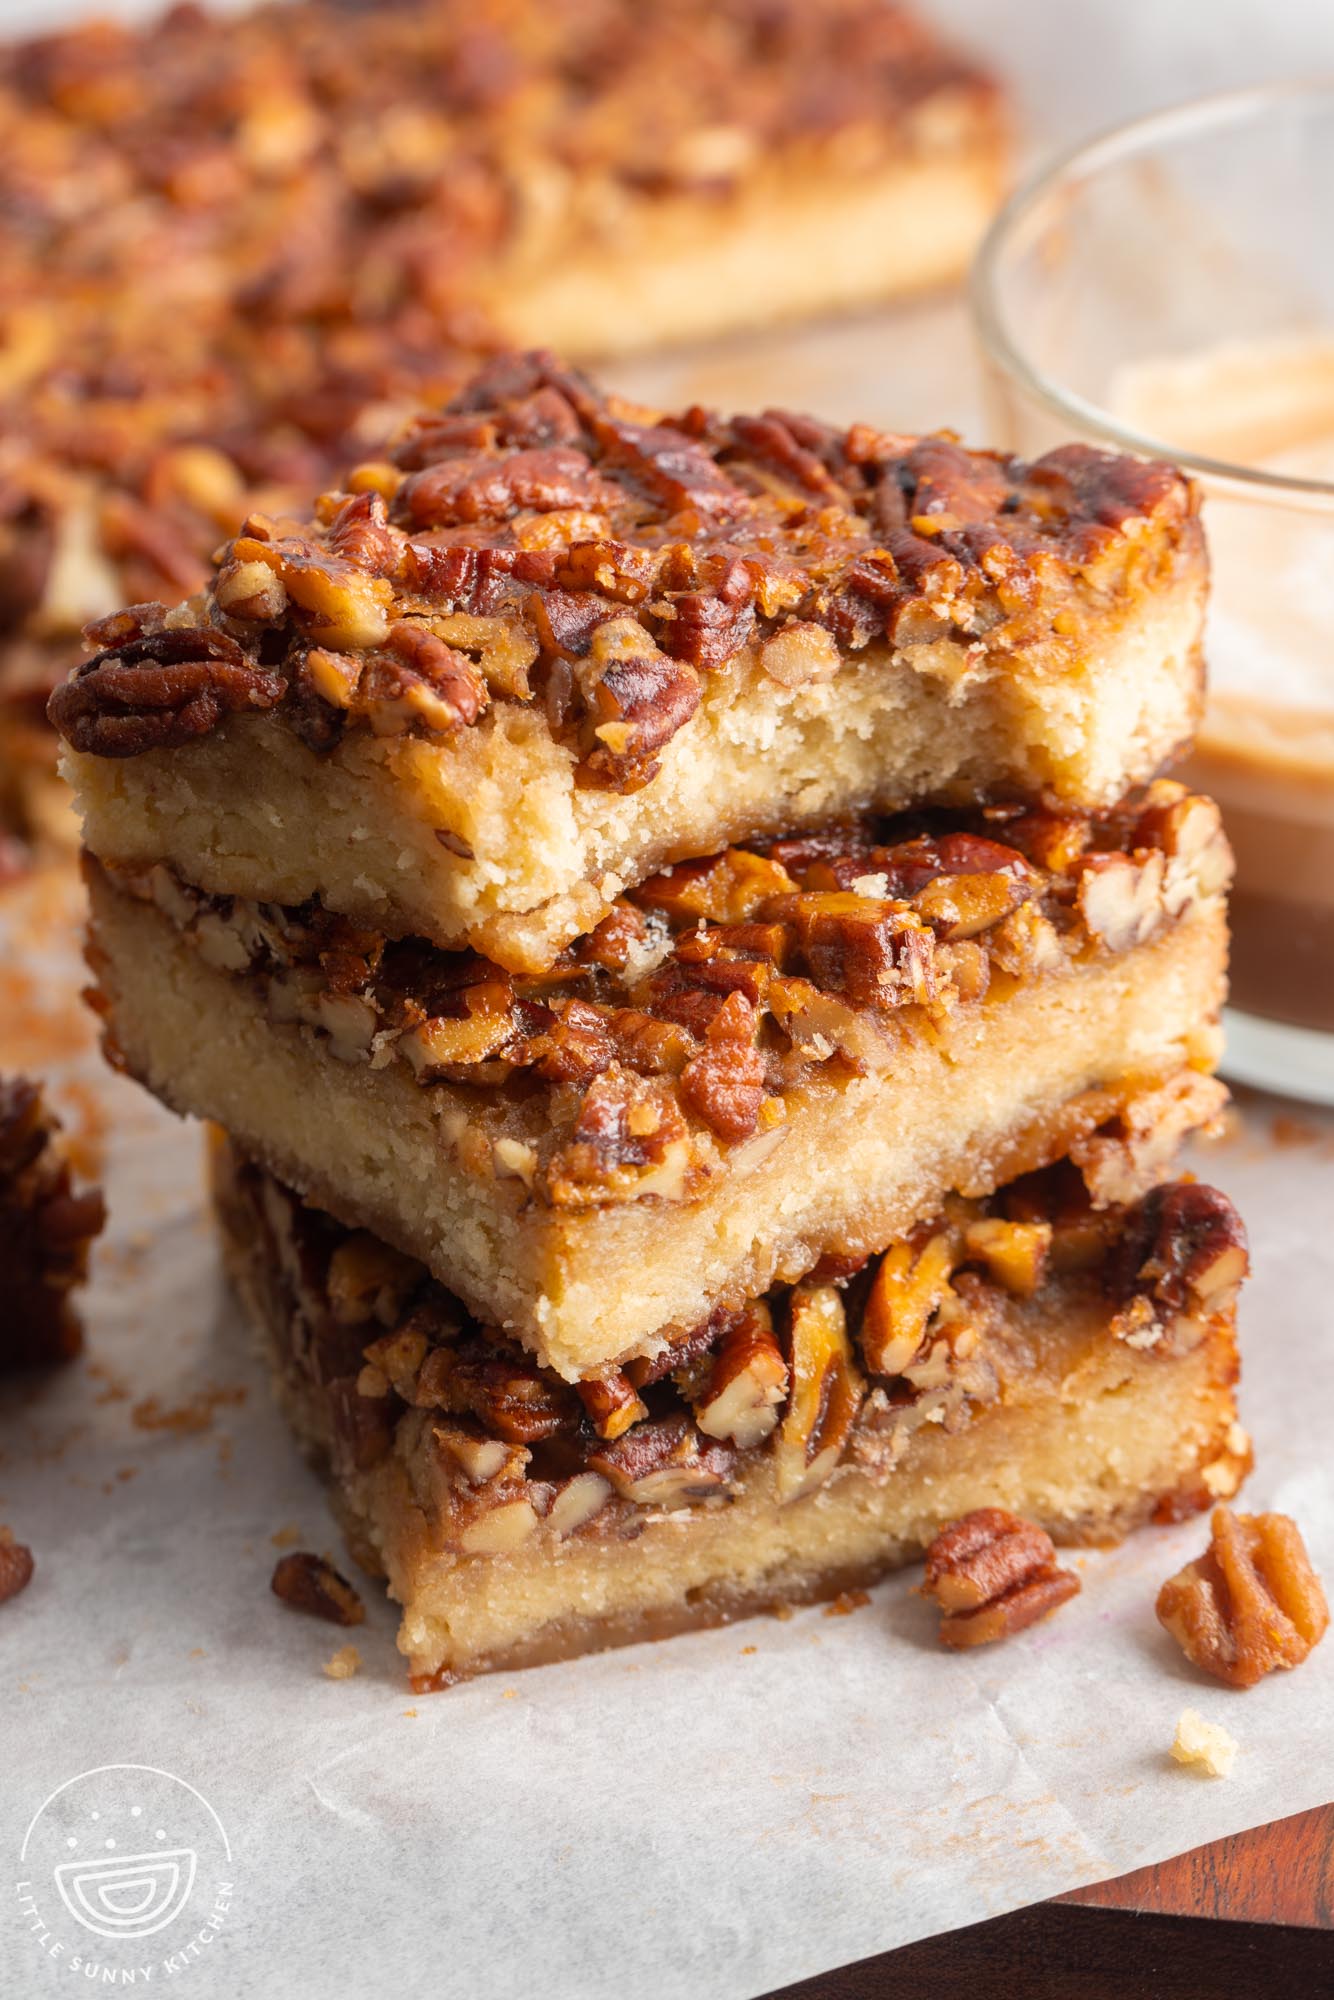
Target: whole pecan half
x=992, y=1574
x=158, y=691
x=1250, y=1603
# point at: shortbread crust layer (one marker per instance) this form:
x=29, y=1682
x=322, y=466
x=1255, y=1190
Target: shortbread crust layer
x=1075, y=1368
x=593, y=1206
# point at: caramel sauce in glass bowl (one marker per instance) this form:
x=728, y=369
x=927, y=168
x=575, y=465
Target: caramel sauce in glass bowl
x=1166, y=288
x=1266, y=748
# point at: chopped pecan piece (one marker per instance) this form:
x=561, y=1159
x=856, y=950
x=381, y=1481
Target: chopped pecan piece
x=1181, y=1256
x=992, y=1574
x=416, y=681
x=611, y=1404
x=16, y=1566
x=909, y=1286
x=707, y=630
x=367, y=1280
x=800, y=654
x=1250, y=1603
x=638, y=699
x=158, y=691
x=724, y=1083
x=665, y=1463
x=1120, y=897
x=1014, y=1253
x=499, y=1530
x=363, y=1423
x=728, y=888
x=827, y=1392
x=873, y=951
x=629, y=1134
x=1131, y=1151
x=747, y=1381
x=305, y=1582
x=360, y=534
x=511, y=1398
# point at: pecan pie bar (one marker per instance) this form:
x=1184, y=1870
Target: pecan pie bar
x=235, y=249
x=1075, y=1365
x=552, y=641
x=754, y=1060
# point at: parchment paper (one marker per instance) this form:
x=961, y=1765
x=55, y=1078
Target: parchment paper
x=716, y=1816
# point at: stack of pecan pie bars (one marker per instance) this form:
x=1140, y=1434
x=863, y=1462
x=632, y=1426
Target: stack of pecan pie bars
x=703, y=983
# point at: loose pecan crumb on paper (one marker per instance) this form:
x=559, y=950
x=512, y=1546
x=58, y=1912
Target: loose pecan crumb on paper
x=992, y=1574
x=1205, y=1746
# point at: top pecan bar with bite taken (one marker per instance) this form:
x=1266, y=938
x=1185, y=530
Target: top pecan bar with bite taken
x=551, y=641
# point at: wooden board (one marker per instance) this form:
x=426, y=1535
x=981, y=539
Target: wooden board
x=1252, y=1915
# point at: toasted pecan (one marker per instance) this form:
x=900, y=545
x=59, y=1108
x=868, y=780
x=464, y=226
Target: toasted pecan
x=1251, y=1603
x=158, y=691
x=992, y=1575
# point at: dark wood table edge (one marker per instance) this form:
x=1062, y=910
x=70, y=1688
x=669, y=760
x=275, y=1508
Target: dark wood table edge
x=1251, y=1915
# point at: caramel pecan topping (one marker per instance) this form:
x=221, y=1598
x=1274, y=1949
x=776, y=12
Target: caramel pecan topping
x=305, y=1582
x=627, y=561
x=47, y=1227
x=1250, y=1603
x=16, y=1566
x=992, y=1575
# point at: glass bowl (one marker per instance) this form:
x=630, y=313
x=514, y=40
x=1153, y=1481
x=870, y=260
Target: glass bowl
x=1168, y=289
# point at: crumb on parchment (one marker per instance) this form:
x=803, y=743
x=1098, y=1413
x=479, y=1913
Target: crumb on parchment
x=1206, y=1746
x=344, y=1663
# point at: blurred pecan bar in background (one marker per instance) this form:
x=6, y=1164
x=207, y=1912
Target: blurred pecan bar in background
x=1075, y=1365
x=47, y=1227
x=781, y=1052
x=233, y=247
x=553, y=640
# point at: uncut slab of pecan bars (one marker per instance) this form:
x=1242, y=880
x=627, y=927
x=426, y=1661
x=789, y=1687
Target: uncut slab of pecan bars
x=753, y=1061
x=1075, y=1365
x=552, y=641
